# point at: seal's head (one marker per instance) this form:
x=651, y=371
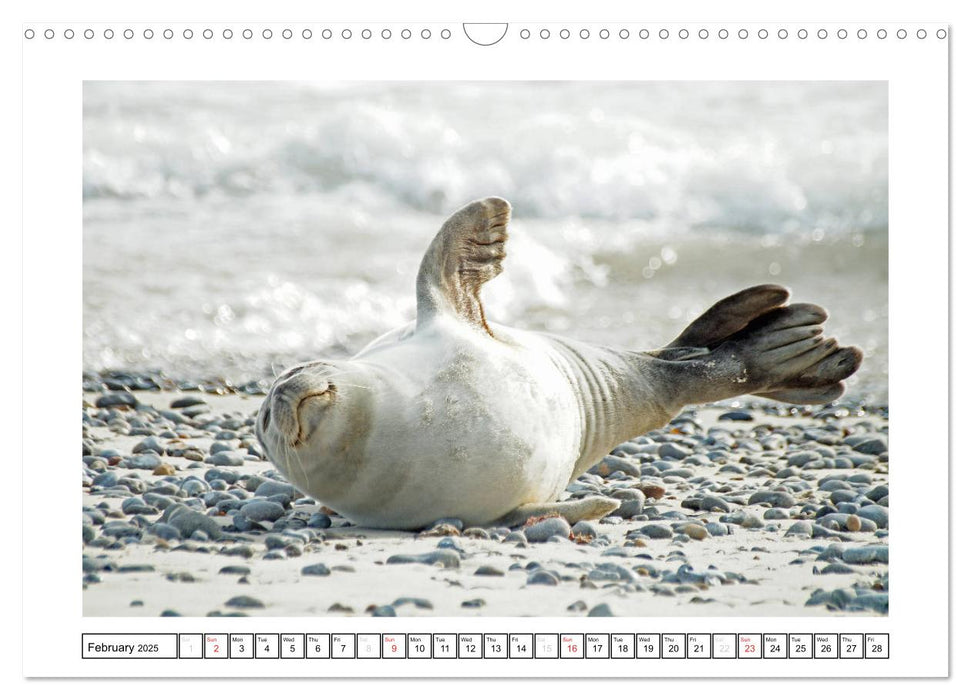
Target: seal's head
x=312, y=410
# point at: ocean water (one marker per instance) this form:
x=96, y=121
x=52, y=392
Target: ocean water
x=232, y=229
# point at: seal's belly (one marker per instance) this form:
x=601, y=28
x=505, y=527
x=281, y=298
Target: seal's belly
x=477, y=437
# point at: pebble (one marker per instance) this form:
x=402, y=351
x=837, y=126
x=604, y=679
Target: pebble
x=544, y=529
x=315, y=570
x=225, y=459
x=584, y=528
x=383, y=611
x=244, y=601
x=694, y=531
x=657, y=531
x=187, y=521
x=600, y=610
x=422, y=603
x=669, y=450
x=122, y=398
x=631, y=503
x=737, y=416
x=235, y=570
x=474, y=603
x=878, y=514
x=446, y=558
x=277, y=488
x=321, y=521
x=777, y=499
x=542, y=578
x=258, y=511
x=867, y=555
x=872, y=446
x=487, y=570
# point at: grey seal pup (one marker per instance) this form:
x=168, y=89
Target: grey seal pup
x=455, y=417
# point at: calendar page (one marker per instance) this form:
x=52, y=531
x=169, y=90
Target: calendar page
x=499, y=348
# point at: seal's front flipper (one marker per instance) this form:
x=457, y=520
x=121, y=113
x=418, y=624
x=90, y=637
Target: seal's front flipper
x=589, y=508
x=467, y=252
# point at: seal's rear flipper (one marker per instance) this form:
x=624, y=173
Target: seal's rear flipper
x=751, y=343
x=731, y=315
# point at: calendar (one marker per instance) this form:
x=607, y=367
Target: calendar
x=519, y=347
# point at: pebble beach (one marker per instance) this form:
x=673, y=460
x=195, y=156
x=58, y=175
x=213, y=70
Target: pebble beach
x=744, y=509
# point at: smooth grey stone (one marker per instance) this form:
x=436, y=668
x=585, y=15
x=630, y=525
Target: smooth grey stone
x=631, y=503
x=544, y=529
x=121, y=398
x=262, y=510
x=216, y=474
x=244, y=601
x=487, y=570
x=120, y=529
x=874, y=494
x=187, y=521
x=842, y=495
x=193, y=487
x=800, y=459
x=106, y=480
x=870, y=554
x=87, y=533
x=776, y=514
x=717, y=529
x=136, y=506
x=878, y=514
x=383, y=611
x=242, y=523
x=601, y=610
x=737, y=416
x=225, y=459
x=777, y=499
x=235, y=570
x=715, y=504
x=620, y=464
x=515, y=538
x=135, y=569
x=449, y=543
x=446, y=557
x=164, y=531
x=149, y=444
x=847, y=507
x=669, y=450
x=187, y=401
x=872, y=446
x=657, y=531
x=800, y=527
x=542, y=578
x=422, y=603
x=315, y=570
x=319, y=520
x=148, y=460
x=827, y=483
x=277, y=488
x=585, y=528
x=837, y=568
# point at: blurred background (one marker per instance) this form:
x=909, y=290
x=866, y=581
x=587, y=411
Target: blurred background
x=233, y=229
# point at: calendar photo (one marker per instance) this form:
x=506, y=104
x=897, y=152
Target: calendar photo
x=485, y=349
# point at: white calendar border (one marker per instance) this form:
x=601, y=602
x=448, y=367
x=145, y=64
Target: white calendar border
x=52, y=325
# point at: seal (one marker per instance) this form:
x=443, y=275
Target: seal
x=455, y=417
